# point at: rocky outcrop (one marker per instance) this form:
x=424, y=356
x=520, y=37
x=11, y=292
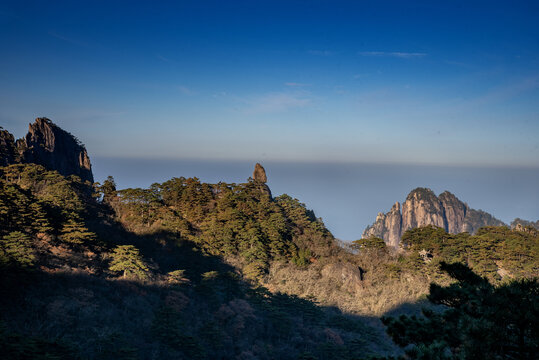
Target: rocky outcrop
x=422, y=207
x=260, y=179
x=524, y=225
x=8, y=150
x=346, y=275
x=259, y=174
x=48, y=145
x=387, y=226
x=455, y=213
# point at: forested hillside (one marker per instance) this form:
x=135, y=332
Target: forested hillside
x=82, y=281
x=226, y=220
x=189, y=270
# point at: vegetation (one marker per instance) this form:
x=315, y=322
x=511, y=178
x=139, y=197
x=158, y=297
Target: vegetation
x=474, y=322
x=16, y=250
x=141, y=273
x=36, y=201
x=189, y=270
x=127, y=259
x=372, y=243
x=493, y=252
x=227, y=220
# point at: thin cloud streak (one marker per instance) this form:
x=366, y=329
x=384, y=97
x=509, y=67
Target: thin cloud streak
x=165, y=59
x=67, y=39
x=276, y=102
x=321, y=52
x=295, y=84
x=396, y=54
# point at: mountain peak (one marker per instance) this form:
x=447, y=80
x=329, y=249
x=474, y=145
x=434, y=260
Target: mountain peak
x=421, y=193
x=49, y=145
x=421, y=208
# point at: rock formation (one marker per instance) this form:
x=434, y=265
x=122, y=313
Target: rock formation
x=388, y=226
x=8, y=151
x=422, y=207
x=48, y=145
x=521, y=225
x=260, y=178
x=455, y=213
x=259, y=174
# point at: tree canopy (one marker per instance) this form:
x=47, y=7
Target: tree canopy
x=477, y=320
x=127, y=259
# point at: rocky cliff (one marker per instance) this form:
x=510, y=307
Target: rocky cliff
x=387, y=226
x=422, y=207
x=48, y=145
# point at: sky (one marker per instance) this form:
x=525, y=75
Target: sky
x=376, y=81
x=379, y=82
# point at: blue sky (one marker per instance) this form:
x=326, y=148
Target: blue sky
x=315, y=81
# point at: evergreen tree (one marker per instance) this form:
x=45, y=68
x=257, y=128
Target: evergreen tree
x=127, y=259
x=74, y=232
x=370, y=243
x=480, y=321
x=109, y=190
x=16, y=250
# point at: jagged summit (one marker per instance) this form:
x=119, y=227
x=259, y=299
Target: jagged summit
x=48, y=145
x=422, y=207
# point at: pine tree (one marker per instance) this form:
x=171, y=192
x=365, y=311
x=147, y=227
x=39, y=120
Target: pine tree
x=74, y=232
x=109, y=190
x=370, y=243
x=127, y=258
x=16, y=250
x=40, y=223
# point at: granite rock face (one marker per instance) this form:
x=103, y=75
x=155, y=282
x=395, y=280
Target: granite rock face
x=455, y=213
x=259, y=174
x=422, y=207
x=260, y=179
x=387, y=226
x=48, y=145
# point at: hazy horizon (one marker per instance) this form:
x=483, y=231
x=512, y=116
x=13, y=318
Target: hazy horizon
x=348, y=196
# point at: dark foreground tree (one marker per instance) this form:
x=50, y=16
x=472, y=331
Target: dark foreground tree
x=477, y=321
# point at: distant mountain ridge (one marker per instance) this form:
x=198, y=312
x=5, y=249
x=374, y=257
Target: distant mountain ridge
x=422, y=207
x=48, y=145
